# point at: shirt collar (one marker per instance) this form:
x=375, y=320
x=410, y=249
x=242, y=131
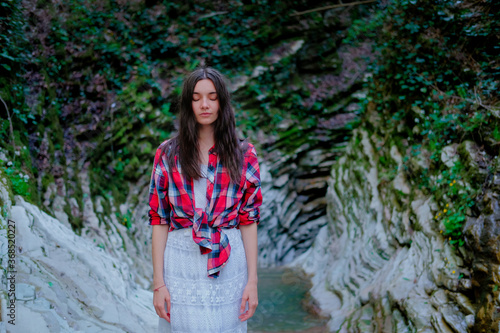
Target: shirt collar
x=212, y=150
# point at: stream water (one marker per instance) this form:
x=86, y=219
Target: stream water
x=283, y=304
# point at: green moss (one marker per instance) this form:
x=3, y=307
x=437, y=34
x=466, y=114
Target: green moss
x=78, y=192
x=75, y=221
x=47, y=179
x=416, y=226
x=5, y=180
x=106, y=206
x=134, y=200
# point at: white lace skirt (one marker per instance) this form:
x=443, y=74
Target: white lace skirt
x=200, y=303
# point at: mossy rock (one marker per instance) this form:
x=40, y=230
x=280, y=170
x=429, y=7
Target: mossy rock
x=475, y=165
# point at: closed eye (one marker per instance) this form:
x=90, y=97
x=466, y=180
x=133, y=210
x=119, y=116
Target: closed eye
x=212, y=99
x=211, y=95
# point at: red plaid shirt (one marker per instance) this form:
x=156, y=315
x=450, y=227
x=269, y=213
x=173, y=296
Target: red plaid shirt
x=229, y=205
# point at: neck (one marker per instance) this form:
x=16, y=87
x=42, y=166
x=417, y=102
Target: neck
x=206, y=136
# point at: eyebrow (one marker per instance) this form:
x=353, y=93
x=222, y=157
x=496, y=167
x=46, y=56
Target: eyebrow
x=210, y=93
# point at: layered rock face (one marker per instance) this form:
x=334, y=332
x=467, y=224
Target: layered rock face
x=381, y=263
x=294, y=203
x=64, y=282
x=296, y=163
x=293, y=210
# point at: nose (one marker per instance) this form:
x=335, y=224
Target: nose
x=205, y=103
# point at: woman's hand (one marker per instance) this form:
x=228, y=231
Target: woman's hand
x=249, y=295
x=159, y=298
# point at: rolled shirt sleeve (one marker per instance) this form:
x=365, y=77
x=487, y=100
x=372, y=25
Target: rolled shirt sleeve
x=159, y=203
x=249, y=211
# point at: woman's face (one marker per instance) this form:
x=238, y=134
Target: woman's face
x=205, y=102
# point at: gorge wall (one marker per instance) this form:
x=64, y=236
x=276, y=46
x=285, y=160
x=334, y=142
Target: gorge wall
x=381, y=264
x=64, y=282
x=412, y=242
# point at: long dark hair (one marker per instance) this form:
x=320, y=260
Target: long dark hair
x=185, y=144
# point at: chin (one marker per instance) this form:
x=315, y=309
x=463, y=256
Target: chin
x=207, y=122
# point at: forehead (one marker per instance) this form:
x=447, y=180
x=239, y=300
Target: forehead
x=204, y=86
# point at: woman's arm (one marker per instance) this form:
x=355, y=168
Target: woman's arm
x=250, y=295
x=161, y=294
x=249, y=215
x=249, y=236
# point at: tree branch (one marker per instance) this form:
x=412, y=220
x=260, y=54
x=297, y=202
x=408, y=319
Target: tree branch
x=331, y=7
x=11, y=128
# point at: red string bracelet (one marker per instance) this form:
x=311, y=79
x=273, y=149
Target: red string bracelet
x=159, y=288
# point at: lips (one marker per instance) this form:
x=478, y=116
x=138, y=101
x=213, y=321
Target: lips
x=205, y=114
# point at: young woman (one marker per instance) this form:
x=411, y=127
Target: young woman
x=204, y=197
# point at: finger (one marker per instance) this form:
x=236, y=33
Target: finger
x=158, y=309
x=250, y=313
x=163, y=313
x=252, y=307
x=244, y=316
x=243, y=303
x=168, y=309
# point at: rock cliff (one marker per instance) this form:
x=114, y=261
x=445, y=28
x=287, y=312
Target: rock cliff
x=381, y=263
x=65, y=282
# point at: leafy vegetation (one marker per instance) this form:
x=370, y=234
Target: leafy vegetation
x=94, y=85
x=434, y=82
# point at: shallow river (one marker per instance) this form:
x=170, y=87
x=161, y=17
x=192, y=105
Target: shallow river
x=284, y=305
